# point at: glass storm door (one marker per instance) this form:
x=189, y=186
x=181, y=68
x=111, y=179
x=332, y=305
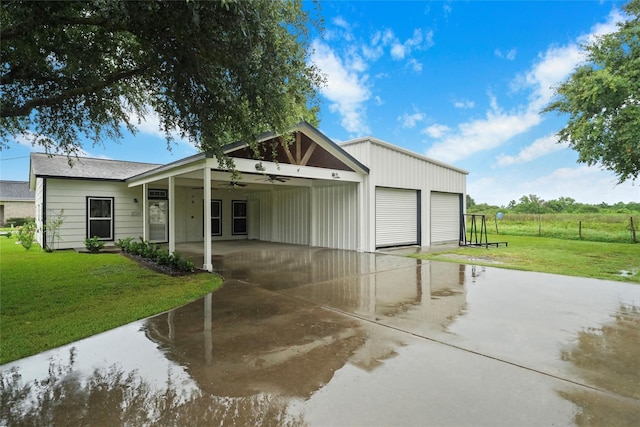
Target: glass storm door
x=158, y=221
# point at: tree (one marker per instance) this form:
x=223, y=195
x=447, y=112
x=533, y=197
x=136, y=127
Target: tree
x=212, y=71
x=602, y=99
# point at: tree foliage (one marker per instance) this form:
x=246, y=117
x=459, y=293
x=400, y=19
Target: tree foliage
x=533, y=204
x=602, y=99
x=212, y=71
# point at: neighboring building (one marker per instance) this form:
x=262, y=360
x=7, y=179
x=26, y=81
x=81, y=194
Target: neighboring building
x=361, y=195
x=16, y=201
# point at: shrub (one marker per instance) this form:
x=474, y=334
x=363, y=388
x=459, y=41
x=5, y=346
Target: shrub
x=93, y=244
x=26, y=234
x=18, y=222
x=154, y=253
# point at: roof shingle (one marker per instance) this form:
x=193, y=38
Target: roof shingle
x=83, y=167
x=15, y=190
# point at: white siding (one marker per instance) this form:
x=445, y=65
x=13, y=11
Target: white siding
x=335, y=217
x=396, y=217
x=284, y=215
x=39, y=207
x=71, y=196
x=290, y=219
x=445, y=218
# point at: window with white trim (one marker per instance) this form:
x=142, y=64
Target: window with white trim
x=100, y=217
x=239, y=220
x=216, y=217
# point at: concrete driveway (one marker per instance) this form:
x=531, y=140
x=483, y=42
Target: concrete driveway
x=311, y=336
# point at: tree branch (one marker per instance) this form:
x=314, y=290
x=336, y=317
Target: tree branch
x=29, y=106
x=25, y=27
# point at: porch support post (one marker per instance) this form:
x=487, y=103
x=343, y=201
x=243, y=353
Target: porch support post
x=363, y=215
x=145, y=212
x=207, y=219
x=172, y=214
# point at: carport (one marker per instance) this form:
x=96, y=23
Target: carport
x=309, y=194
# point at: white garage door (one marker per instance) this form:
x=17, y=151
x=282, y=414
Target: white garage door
x=445, y=217
x=396, y=217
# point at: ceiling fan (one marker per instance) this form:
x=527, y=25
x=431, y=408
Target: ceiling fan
x=232, y=184
x=273, y=178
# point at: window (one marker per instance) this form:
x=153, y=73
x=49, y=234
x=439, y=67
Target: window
x=100, y=217
x=239, y=211
x=216, y=217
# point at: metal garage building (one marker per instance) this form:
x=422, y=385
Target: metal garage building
x=410, y=199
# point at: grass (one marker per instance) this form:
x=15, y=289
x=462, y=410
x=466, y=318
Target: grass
x=51, y=299
x=590, y=227
x=568, y=257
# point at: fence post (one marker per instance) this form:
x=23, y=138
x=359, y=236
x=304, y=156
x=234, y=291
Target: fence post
x=633, y=230
x=580, y=229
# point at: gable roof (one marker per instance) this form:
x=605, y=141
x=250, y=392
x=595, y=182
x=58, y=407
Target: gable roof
x=311, y=148
x=59, y=166
x=16, y=191
x=376, y=141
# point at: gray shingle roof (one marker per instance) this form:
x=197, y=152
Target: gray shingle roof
x=15, y=190
x=83, y=167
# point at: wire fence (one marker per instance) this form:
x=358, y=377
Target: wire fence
x=619, y=228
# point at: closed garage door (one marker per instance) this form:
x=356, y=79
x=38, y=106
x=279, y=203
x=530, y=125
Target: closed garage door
x=396, y=217
x=445, y=217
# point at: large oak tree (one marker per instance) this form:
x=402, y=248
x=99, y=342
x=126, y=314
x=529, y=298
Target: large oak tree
x=602, y=99
x=213, y=71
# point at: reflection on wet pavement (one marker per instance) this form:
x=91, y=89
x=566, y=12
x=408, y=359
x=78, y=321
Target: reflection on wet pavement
x=311, y=336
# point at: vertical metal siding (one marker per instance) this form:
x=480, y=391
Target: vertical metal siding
x=336, y=216
x=445, y=217
x=290, y=220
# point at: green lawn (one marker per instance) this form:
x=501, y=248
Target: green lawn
x=569, y=257
x=51, y=299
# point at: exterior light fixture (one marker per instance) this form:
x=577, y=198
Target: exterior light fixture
x=335, y=175
x=260, y=167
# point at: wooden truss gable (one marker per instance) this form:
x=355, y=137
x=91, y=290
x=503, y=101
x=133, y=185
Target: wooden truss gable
x=300, y=150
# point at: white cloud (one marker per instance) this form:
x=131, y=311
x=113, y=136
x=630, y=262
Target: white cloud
x=398, y=51
x=509, y=55
x=551, y=68
x=346, y=88
x=418, y=41
x=415, y=65
x=540, y=147
x=482, y=134
x=436, y=131
x=410, y=120
x=464, y=104
x=586, y=184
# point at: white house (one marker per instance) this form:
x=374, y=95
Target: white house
x=361, y=195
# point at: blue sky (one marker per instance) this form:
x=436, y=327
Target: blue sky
x=459, y=81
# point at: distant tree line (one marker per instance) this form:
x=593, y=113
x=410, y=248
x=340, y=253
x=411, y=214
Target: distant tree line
x=533, y=204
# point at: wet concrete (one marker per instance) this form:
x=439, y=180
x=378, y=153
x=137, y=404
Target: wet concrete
x=310, y=336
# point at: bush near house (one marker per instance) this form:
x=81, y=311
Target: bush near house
x=156, y=254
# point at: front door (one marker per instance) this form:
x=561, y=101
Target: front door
x=158, y=221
